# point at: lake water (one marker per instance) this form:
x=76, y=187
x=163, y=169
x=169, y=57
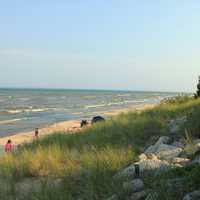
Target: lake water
x=25, y=109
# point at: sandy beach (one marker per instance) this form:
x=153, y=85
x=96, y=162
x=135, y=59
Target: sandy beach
x=71, y=126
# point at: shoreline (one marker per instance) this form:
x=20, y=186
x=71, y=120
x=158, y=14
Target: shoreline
x=72, y=126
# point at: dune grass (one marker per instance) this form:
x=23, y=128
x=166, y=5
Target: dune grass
x=88, y=160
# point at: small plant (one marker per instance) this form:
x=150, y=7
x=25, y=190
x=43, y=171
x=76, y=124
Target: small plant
x=190, y=148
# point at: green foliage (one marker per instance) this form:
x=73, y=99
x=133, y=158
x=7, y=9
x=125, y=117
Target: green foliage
x=88, y=160
x=193, y=122
x=182, y=98
x=175, y=183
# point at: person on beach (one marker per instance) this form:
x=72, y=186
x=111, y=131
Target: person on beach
x=83, y=123
x=8, y=146
x=36, y=133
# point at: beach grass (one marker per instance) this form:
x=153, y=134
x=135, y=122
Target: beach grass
x=87, y=161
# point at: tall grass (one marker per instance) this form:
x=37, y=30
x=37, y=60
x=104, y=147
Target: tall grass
x=87, y=161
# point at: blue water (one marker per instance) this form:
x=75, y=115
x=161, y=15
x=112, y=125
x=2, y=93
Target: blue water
x=25, y=109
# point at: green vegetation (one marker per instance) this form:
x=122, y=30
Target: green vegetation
x=174, y=184
x=88, y=160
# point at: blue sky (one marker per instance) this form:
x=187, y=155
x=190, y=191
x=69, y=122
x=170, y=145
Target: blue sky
x=104, y=44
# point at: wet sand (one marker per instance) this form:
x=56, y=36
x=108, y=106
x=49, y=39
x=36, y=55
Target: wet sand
x=71, y=126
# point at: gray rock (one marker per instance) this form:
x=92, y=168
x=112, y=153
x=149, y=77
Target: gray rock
x=152, y=196
x=151, y=164
x=139, y=195
x=180, y=143
x=153, y=148
x=181, y=161
x=128, y=172
x=113, y=197
x=193, y=195
x=174, y=125
x=135, y=185
x=196, y=159
x=147, y=163
x=167, y=152
x=163, y=150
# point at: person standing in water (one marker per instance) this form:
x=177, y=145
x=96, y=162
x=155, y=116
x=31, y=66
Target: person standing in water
x=36, y=133
x=8, y=146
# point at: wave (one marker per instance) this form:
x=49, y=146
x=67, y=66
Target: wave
x=25, y=110
x=12, y=121
x=135, y=101
x=95, y=106
x=115, y=103
x=124, y=95
x=77, y=113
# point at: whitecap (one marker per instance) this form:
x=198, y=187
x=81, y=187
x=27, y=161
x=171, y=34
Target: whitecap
x=11, y=121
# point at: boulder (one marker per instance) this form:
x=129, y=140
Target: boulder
x=179, y=143
x=196, y=159
x=152, y=196
x=135, y=185
x=163, y=150
x=139, y=195
x=193, y=195
x=113, y=197
x=181, y=161
x=153, y=148
x=175, y=124
x=167, y=152
x=150, y=162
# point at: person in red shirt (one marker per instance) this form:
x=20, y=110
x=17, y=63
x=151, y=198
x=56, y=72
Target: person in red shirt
x=8, y=146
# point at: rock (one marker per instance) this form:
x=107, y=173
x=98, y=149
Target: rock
x=146, y=164
x=135, y=185
x=167, y=152
x=197, y=145
x=196, y=160
x=128, y=172
x=175, y=124
x=113, y=197
x=143, y=156
x=193, y=195
x=179, y=144
x=181, y=161
x=139, y=195
x=163, y=150
x=152, y=196
x=173, y=127
x=151, y=164
x=153, y=148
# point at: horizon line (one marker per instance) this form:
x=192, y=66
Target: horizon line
x=86, y=89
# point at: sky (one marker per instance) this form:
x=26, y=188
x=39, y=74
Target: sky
x=100, y=44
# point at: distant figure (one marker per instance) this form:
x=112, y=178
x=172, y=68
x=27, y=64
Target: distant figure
x=84, y=123
x=8, y=146
x=36, y=133
x=97, y=119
